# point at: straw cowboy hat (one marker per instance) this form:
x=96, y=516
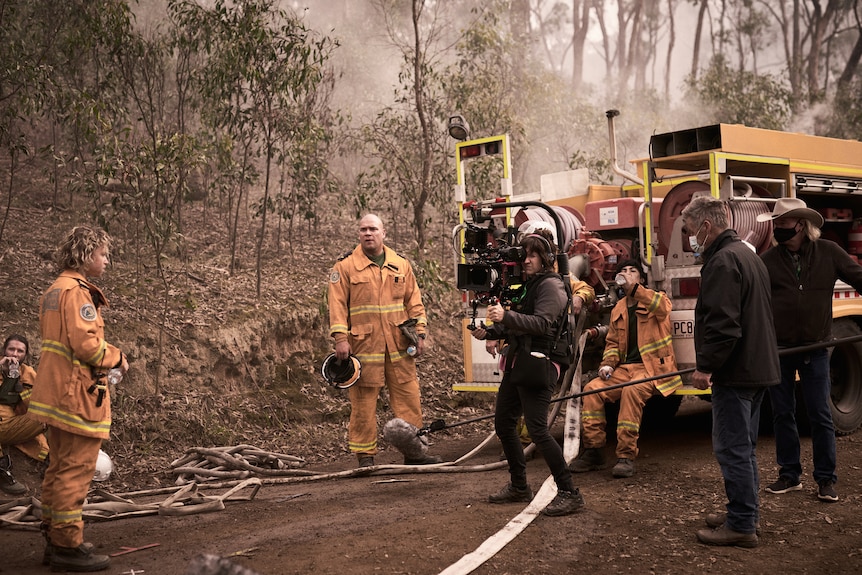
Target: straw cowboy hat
x=792, y=208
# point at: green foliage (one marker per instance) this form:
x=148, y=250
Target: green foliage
x=742, y=97
x=845, y=115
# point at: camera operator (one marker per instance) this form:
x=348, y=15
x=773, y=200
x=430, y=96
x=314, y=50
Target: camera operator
x=530, y=374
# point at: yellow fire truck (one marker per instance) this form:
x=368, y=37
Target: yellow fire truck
x=598, y=226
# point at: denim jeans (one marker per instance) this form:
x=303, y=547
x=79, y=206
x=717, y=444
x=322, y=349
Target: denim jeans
x=813, y=368
x=735, y=420
x=533, y=402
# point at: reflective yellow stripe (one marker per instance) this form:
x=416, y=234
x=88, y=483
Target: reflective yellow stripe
x=670, y=384
x=594, y=415
x=69, y=419
x=656, y=345
x=653, y=305
x=52, y=346
x=611, y=353
x=99, y=356
x=376, y=309
x=362, y=447
x=66, y=516
x=631, y=425
x=58, y=348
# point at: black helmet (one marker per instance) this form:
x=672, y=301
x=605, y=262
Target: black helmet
x=340, y=374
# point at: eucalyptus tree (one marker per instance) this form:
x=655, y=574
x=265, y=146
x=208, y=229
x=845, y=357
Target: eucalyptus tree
x=260, y=65
x=743, y=97
x=407, y=141
x=26, y=37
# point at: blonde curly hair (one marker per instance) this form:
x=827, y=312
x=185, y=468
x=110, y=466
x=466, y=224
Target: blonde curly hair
x=76, y=251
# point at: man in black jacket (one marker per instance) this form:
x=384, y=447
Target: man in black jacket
x=803, y=269
x=737, y=356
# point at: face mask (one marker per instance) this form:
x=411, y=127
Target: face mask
x=692, y=242
x=783, y=235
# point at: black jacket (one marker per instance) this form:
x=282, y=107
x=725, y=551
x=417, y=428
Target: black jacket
x=533, y=322
x=734, y=336
x=803, y=307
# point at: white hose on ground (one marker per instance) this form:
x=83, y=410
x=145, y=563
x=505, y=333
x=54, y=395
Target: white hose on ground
x=571, y=444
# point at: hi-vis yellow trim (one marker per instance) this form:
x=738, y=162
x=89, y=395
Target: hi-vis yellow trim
x=368, y=358
x=630, y=425
x=70, y=419
x=670, y=384
x=99, y=356
x=376, y=309
x=613, y=352
x=593, y=415
x=337, y=328
x=666, y=341
x=72, y=516
x=653, y=305
x=362, y=447
x=52, y=346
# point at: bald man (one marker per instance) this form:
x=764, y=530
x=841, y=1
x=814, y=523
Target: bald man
x=371, y=291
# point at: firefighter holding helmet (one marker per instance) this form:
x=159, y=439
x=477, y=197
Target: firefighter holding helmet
x=372, y=291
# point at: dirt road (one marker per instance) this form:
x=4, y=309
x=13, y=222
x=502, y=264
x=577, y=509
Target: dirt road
x=421, y=523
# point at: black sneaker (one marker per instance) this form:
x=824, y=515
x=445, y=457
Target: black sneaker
x=784, y=485
x=9, y=485
x=510, y=494
x=79, y=559
x=826, y=491
x=565, y=503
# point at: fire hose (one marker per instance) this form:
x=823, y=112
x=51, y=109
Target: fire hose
x=439, y=424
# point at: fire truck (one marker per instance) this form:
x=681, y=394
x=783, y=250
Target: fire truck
x=597, y=226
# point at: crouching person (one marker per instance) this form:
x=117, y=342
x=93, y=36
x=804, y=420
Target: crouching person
x=638, y=346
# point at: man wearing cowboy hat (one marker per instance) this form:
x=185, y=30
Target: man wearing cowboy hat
x=802, y=270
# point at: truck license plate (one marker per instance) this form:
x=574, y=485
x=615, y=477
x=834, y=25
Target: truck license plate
x=683, y=328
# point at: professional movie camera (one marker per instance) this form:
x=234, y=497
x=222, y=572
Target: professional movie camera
x=492, y=270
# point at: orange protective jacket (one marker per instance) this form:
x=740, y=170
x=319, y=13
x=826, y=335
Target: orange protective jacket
x=28, y=377
x=73, y=348
x=655, y=340
x=366, y=304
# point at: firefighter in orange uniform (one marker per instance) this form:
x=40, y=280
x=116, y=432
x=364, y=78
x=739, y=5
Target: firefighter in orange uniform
x=371, y=291
x=71, y=394
x=16, y=426
x=638, y=345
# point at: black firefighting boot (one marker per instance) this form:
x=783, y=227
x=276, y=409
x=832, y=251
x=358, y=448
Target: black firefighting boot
x=7, y=481
x=80, y=559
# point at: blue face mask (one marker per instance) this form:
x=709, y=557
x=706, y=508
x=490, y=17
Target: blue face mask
x=694, y=245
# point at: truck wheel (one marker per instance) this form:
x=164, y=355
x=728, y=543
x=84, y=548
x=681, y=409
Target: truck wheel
x=845, y=371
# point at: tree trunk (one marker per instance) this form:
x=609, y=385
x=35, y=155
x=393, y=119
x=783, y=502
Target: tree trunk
x=671, y=41
x=698, y=31
x=580, y=27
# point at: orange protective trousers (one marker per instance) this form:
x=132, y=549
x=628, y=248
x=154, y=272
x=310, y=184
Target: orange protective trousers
x=403, y=399
x=632, y=400
x=64, y=489
x=26, y=434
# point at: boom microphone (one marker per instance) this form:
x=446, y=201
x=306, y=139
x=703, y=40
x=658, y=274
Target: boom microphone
x=405, y=438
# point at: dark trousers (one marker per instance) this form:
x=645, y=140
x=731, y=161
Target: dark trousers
x=813, y=369
x=533, y=403
x=735, y=421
